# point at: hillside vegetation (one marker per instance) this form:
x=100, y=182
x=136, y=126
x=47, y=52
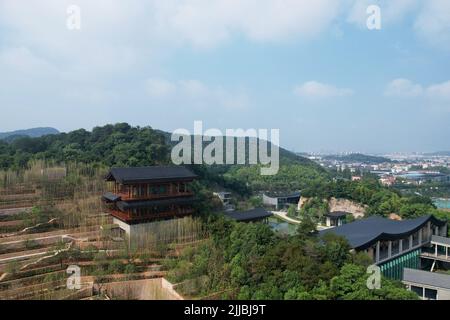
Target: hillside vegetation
x=124, y=145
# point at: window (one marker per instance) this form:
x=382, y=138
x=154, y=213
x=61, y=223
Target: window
x=395, y=247
x=405, y=245
x=415, y=239
x=418, y=290
x=143, y=190
x=424, y=235
x=430, y=294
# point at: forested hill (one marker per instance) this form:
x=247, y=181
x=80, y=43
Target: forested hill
x=111, y=145
x=34, y=133
x=286, y=156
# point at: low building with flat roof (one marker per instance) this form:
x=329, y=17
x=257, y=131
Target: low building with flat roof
x=257, y=214
x=428, y=285
x=279, y=200
x=336, y=218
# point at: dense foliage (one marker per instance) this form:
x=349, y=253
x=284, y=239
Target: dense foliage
x=290, y=177
x=378, y=199
x=118, y=145
x=249, y=261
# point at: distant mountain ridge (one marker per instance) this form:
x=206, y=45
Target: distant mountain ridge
x=358, y=157
x=33, y=133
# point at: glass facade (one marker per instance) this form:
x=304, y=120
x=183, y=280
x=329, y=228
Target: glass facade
x=393, y=269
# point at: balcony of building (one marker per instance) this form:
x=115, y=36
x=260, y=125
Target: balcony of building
x=151, y=191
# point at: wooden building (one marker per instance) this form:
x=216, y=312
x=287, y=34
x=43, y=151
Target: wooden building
x=147, y=194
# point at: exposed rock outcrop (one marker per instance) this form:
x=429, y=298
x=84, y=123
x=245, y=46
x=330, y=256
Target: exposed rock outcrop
x=356, y=209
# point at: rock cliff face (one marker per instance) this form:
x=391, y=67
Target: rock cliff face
x=356, y=209
x=352, y=207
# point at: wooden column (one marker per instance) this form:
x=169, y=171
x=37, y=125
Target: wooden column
x=377, y=253
x=429, y=231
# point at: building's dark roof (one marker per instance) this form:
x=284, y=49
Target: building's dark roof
x=363, y=233
x=426, y=278
x=283, y=195
x=124, y=205
x=337, y=214
x=254, y=214
x=147, y=174
x=111, y=196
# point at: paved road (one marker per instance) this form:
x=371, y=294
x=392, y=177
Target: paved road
x=283, y=215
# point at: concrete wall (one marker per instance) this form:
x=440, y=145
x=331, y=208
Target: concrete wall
x=443, y=294
x=147, y=289
x=270, y=201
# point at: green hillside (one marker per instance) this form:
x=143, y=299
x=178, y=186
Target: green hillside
x=124, y=145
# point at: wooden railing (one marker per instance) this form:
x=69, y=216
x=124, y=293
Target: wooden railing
x=126, y=196
x=130, y=217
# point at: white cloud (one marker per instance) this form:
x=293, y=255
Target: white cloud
x=439, y=91
x=403, y=88
x=196, y=94
x=159, y=88
x=206, y=23
x=317, y=90
x=433, y=23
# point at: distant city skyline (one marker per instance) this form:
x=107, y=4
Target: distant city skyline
x=309, y=68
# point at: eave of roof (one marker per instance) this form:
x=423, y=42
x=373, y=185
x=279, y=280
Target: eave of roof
x=280, y=195
x=110, y=196
x=361, y=234
x=150, y=174
x=254, y=214
x=337, y=214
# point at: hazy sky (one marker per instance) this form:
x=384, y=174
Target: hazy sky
x=310, y=68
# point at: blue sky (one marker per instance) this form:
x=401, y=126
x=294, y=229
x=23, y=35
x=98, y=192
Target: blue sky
x=310, y=68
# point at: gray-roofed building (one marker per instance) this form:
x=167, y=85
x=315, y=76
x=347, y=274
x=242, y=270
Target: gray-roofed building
x=257, y=214
x=279, y=200
x=225, y=197
x=428, y=285
x=391, y=244
x=336, y=218
x=439, y=253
